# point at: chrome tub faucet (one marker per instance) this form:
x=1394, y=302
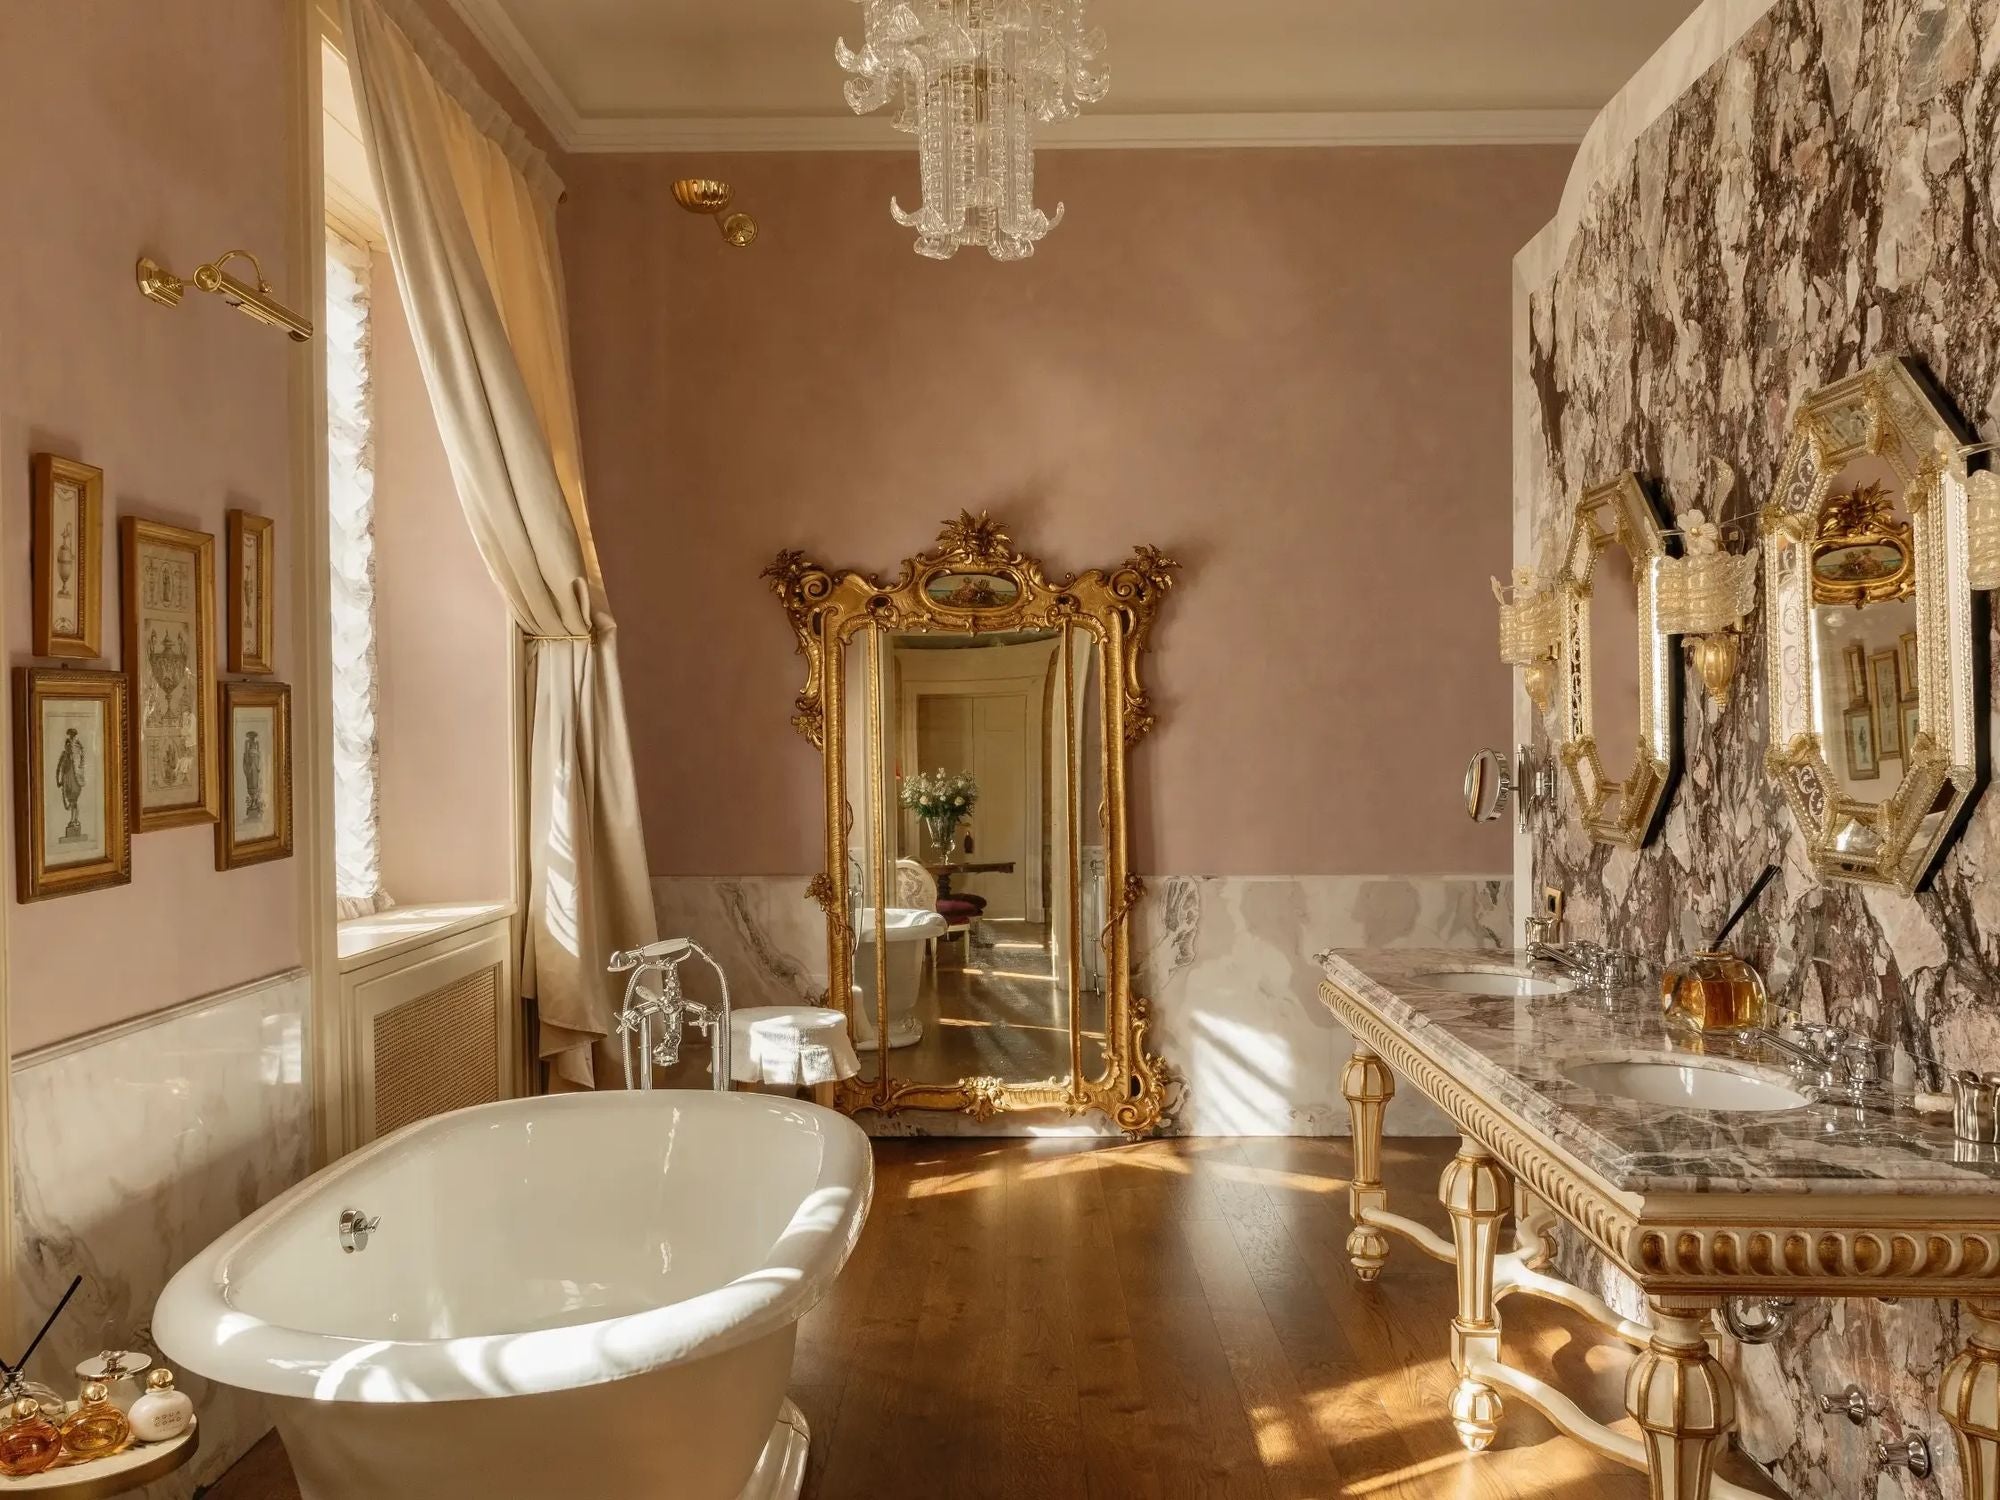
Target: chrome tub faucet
x=654, y=996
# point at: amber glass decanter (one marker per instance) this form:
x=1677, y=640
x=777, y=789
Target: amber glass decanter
x=1713, y=992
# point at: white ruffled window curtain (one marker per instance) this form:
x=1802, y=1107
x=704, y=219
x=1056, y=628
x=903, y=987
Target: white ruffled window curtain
x=350, y=406
x=468, y=206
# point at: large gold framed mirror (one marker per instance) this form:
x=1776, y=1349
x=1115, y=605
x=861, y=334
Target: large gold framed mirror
x=1875, y=637
x=1618, y=714
x=976, y=722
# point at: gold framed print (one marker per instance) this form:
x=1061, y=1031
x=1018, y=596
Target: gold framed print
x=68, y=505
x=1863, y=763
x=1888, y=699
x=250, y=570
x=1906, y=656
x=1857, y=673
x=168, y=594
x=256, y=821
x=72, y=826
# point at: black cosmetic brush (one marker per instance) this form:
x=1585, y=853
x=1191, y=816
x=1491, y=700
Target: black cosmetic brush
x=1742, y=908
x=22, y=1363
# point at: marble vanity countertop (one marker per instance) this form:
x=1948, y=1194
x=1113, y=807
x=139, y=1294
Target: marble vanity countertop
x=1515, y=1052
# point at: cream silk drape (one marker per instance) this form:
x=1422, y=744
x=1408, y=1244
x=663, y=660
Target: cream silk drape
x=468, y=206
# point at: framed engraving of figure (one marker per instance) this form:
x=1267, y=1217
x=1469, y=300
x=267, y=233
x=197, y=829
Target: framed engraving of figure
x=249, y=592
x=69, y=557
x=1885, y=673
x=256, y=822
x=168, y=578
x=71, y=825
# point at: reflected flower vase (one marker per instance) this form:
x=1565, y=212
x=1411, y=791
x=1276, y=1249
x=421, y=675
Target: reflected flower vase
x=943, y=832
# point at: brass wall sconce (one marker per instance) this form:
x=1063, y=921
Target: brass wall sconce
x=160, y=285
x=1705, y=596
x=706, y=196
x=1530, y=627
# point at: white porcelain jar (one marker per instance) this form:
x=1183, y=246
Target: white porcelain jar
x=162, y=1412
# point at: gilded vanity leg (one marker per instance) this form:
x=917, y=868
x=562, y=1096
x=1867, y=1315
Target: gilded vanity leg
x=1682, y=1399
x=1369, y=1086
x=1476, y=1192
x=1969, y=1398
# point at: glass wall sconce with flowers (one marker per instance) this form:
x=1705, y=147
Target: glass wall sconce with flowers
x=1982, y=511
x=1530, y=629
x=1706, y=594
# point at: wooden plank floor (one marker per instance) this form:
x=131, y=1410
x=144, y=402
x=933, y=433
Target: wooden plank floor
x=1151, y=1322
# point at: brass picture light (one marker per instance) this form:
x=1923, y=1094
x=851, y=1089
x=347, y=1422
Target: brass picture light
x=704, y=195
x=255, y=299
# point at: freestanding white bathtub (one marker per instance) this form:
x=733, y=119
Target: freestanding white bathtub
x=582, y=1295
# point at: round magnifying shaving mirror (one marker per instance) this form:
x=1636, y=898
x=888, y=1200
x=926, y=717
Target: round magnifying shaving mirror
x=1617, y=718
x=1872, y=662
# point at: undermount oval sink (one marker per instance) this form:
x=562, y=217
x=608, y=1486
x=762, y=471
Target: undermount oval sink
x=1687, y=1086
x=1496, y=984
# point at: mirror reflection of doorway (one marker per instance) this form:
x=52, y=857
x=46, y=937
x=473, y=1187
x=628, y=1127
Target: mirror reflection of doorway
x=991, y=991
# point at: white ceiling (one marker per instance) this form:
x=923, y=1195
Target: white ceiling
x=717, y=74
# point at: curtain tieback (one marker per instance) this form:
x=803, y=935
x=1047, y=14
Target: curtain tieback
x=580, y=639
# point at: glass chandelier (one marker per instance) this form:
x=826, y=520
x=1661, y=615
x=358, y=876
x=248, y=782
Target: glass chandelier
x=971, y=79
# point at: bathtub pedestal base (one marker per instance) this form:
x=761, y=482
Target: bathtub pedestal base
x=781, y=1471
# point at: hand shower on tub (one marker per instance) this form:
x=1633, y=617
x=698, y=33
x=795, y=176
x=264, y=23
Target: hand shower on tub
x=654, y=993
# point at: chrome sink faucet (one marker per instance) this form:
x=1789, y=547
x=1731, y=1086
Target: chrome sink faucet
x=1591, y=965
x=654, y=995
x=1831, y=1059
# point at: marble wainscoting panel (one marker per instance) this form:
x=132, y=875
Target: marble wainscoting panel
x=137, y=1147
x=1227, y=962
x=765, y=931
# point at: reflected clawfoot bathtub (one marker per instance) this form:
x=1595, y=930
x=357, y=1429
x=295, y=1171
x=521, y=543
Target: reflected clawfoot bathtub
x=591, y=1295
x=908, y=929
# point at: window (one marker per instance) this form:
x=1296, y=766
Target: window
x=351, y=559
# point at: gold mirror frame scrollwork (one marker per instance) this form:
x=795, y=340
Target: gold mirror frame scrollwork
x=1891, y=411
x=1613, y=811
x=1116, y=608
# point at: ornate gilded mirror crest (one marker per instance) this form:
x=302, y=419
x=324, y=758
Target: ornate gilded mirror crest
x=975, y=719
x=1618, y=713
x=1861, y=553
x=1873, y=650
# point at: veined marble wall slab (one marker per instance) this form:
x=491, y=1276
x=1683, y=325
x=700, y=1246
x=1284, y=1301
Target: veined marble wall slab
x=132, y=1151
x=1822, y=192
x=1226, y=960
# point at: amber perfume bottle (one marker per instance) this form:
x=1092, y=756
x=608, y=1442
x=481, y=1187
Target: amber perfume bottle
x=1713, y=992
x=30, y=1443
x=96, y=1427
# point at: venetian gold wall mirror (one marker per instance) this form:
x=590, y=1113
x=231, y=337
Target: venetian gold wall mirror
x=1876, y=635
x=1618, y=712
x=976, y=722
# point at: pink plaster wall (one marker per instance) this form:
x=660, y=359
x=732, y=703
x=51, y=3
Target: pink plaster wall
x=163, y=129
x=1287, y=368
x=441, y=649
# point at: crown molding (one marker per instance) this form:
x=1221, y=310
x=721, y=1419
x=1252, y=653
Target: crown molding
x=575, y=131
x=502, y=39
x=1106, y=132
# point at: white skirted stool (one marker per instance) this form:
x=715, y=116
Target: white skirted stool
x=792, y=1047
